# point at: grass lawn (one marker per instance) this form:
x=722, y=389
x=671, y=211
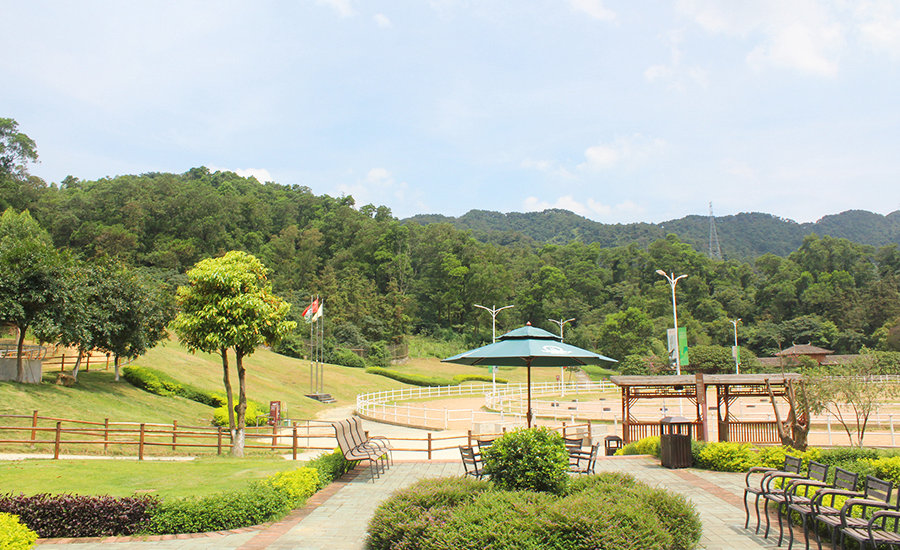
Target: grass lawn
x=201, y=476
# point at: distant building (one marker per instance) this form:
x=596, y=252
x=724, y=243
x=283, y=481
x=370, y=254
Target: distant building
x=791, y=356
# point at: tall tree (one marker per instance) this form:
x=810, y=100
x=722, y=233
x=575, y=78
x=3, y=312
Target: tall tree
x=229, y=304
x=32, y=279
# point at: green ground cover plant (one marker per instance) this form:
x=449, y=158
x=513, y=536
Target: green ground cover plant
x=14, y=535
x=606, y=511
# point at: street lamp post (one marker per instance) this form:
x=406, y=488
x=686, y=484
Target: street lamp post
x=673, y=280
x=561, y=323
x=735, y=352
x=494, y=311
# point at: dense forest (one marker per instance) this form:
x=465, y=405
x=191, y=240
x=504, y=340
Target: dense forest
x=742, y=236
x=382, y=278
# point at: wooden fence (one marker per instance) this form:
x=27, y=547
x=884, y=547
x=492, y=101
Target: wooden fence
x=299, y=435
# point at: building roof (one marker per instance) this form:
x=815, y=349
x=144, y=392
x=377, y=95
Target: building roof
x=803, y=349
x=708, y=379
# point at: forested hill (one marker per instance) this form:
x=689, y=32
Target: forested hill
x=742, y=236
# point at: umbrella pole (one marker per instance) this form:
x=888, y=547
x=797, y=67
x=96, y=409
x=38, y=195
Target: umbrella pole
x=528, y=416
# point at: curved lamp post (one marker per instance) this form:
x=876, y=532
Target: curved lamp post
x=673, y=280
x=737, y=368
x=494, y=311
x=561, y=323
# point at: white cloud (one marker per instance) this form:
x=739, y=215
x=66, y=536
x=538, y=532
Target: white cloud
x=675, y=73
x=593, y=8
x=621, y=152
x=261, y=174
x=382, y=20
x=804, y=35
x=879, y=25
x=342, y=7
x=377, y=187
x=589, y=208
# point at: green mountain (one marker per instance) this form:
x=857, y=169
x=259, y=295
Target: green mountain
x=745, y=235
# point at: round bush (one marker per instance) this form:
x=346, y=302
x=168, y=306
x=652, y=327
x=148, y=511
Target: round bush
x=607, y=511
x=528, y=460
x=347, y=358
x=14, y=535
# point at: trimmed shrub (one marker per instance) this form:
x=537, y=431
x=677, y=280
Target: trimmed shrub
x=330, y=466
x=298, y=485
x=259, y=503
x=159, y=383
x=886, y=468
x=413, y=379
x=347, y=358
x=533, y=459
x=460, y=378
x=14, y=535
x=252, y=417
x=773, y=457
x=728, y=457
x=646, y=446
x=53, y=516
x=404, y=520
x=607, y=511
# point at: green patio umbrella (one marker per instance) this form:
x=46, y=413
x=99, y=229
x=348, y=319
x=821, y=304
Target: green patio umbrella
x=528, y=347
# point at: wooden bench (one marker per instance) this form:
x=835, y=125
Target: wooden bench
x=358, y=451
x=471, y=460
x=359, y=436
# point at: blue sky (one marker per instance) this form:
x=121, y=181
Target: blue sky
x=621, y=111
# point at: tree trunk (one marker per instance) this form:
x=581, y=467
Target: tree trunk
x=237, y=448
x=77, y=365
x=116, y=367
x=794, y=431
x=20, y=347
x=229, y=395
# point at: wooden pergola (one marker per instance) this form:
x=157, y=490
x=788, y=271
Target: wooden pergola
x=693, y=388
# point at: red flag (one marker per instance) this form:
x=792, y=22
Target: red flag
x=311, y=310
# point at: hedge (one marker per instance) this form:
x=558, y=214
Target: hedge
x=413, y=379
x=93, y=516
x=159, y=383
x=14, y=535
x=608, y=510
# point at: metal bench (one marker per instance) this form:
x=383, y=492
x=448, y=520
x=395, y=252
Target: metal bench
x=802, y=504
x=791, y=466
x=358, y=452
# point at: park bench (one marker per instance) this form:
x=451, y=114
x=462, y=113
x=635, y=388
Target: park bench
x=816, y=471
x=584, y=461
x=791, y=466
x=471, y=460
x=875, y=535
x=360, y=436
x=802, y=504
x=358, y=452
x=876, y=494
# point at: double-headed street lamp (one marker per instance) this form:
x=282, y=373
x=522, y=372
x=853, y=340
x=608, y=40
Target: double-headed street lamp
x=561, y=324
x=673, y=280
x=494, y=311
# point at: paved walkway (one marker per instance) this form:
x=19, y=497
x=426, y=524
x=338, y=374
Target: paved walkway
x=336, y=518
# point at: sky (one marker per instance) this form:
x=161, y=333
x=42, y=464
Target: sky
x=617, y=110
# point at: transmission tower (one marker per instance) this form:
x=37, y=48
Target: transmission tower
x=714, y=251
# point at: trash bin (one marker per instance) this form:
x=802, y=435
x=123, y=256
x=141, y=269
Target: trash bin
x=675, y=442
x=612, y=443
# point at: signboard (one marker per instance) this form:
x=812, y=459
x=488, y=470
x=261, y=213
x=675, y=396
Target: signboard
x=274, y=412
x=736, y=353
x=682, y=343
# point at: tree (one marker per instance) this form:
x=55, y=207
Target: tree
x=794, y=430
x=625, y=333
x=228, y=303
x=32, y=279
x=134, y=314
x=850, y=387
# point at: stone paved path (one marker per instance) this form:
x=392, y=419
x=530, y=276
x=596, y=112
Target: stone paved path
x=336, y=518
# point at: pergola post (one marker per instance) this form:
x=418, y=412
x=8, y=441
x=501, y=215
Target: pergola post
x=702, y=410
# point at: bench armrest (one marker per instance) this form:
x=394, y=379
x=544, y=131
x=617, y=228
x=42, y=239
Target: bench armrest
x=864, y=502
x=756, y=470
x=780, y=475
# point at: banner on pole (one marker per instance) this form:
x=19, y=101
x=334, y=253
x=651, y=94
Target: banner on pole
x=681, y=344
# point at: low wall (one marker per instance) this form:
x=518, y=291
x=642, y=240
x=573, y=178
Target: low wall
x=32, y=370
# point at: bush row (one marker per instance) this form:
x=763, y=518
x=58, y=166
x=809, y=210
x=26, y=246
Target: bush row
x=79, y=515
x=159, y=383
x=609, y=510
x=93, y=516
x=14, y=535
x=419, y=380
x=739, y=457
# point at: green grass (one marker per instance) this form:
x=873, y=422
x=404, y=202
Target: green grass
x=202, y=476
x=597, y=372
